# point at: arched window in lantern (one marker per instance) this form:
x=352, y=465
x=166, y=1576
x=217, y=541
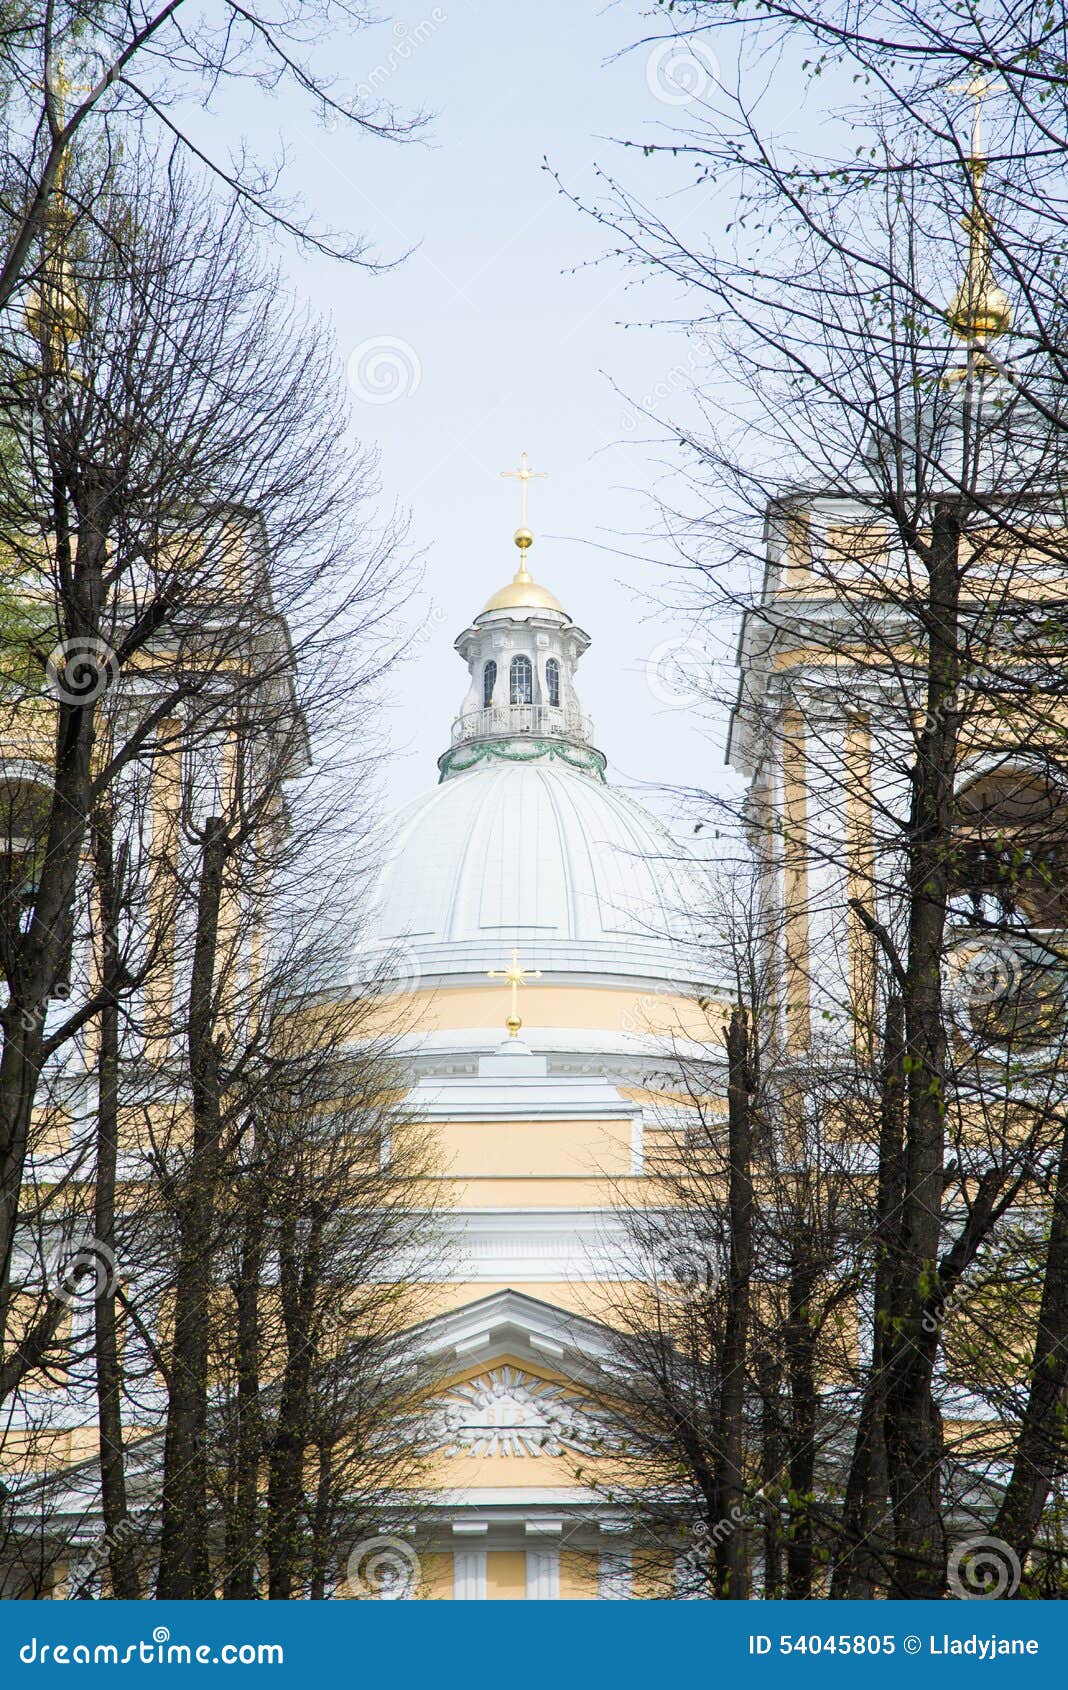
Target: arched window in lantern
x=552, y=682
x=521, y=681
x=489, y=681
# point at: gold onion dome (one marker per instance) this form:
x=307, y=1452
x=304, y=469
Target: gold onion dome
x=980, y=309
x=523, y=592
x=980, y=313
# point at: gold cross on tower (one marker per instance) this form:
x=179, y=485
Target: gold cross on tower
x=978, y=87
x=59, y=85
x=524, y=474
x=515, y=976
x=55, y=309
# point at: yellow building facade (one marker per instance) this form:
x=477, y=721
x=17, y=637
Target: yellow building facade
x=537, y=926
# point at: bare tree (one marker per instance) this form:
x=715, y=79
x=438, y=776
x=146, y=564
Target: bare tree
x=180, y=512
x=883, y=424
x=129, y=71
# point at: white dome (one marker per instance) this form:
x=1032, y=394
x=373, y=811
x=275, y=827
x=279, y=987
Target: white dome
x=536, y=855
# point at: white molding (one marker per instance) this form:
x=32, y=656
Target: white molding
x=508, y=1321
x=522, y=1094
x=545, y=1347
x=522, y=1498
x=542, y=1245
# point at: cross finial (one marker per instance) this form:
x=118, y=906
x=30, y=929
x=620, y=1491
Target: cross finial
x=515, y=975
x=60, y=86
x=977, y=87
x=524, y=474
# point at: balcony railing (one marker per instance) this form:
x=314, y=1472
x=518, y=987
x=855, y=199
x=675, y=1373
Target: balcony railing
x=503, y=721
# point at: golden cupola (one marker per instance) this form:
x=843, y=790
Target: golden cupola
x=523, y=592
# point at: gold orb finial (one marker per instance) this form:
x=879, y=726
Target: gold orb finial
x=523, y=538
x=513, y=1024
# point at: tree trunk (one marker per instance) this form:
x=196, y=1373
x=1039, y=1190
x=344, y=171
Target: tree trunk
x=913, y=1423
x=732, y=1570
x=184, y=1567
x=286, y=1503
x=800, y=1338
x=118, y=1532
x=1040, y=1446
x=769, y=1382
x=324, y=1549
x=862, y=1558
x=243, y=1520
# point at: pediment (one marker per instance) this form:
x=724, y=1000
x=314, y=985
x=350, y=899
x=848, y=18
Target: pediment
x=541, y=1338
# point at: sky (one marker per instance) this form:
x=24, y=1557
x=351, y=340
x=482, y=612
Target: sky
x=503, y=331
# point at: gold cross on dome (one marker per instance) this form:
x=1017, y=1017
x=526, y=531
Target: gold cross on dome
x=977, y=87
x=515, y=975
x=60, y=86
x=524, y=474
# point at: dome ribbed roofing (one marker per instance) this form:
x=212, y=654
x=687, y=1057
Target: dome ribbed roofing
x=577, y=875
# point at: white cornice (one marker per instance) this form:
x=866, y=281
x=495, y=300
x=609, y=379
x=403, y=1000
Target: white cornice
x=511, y=1323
